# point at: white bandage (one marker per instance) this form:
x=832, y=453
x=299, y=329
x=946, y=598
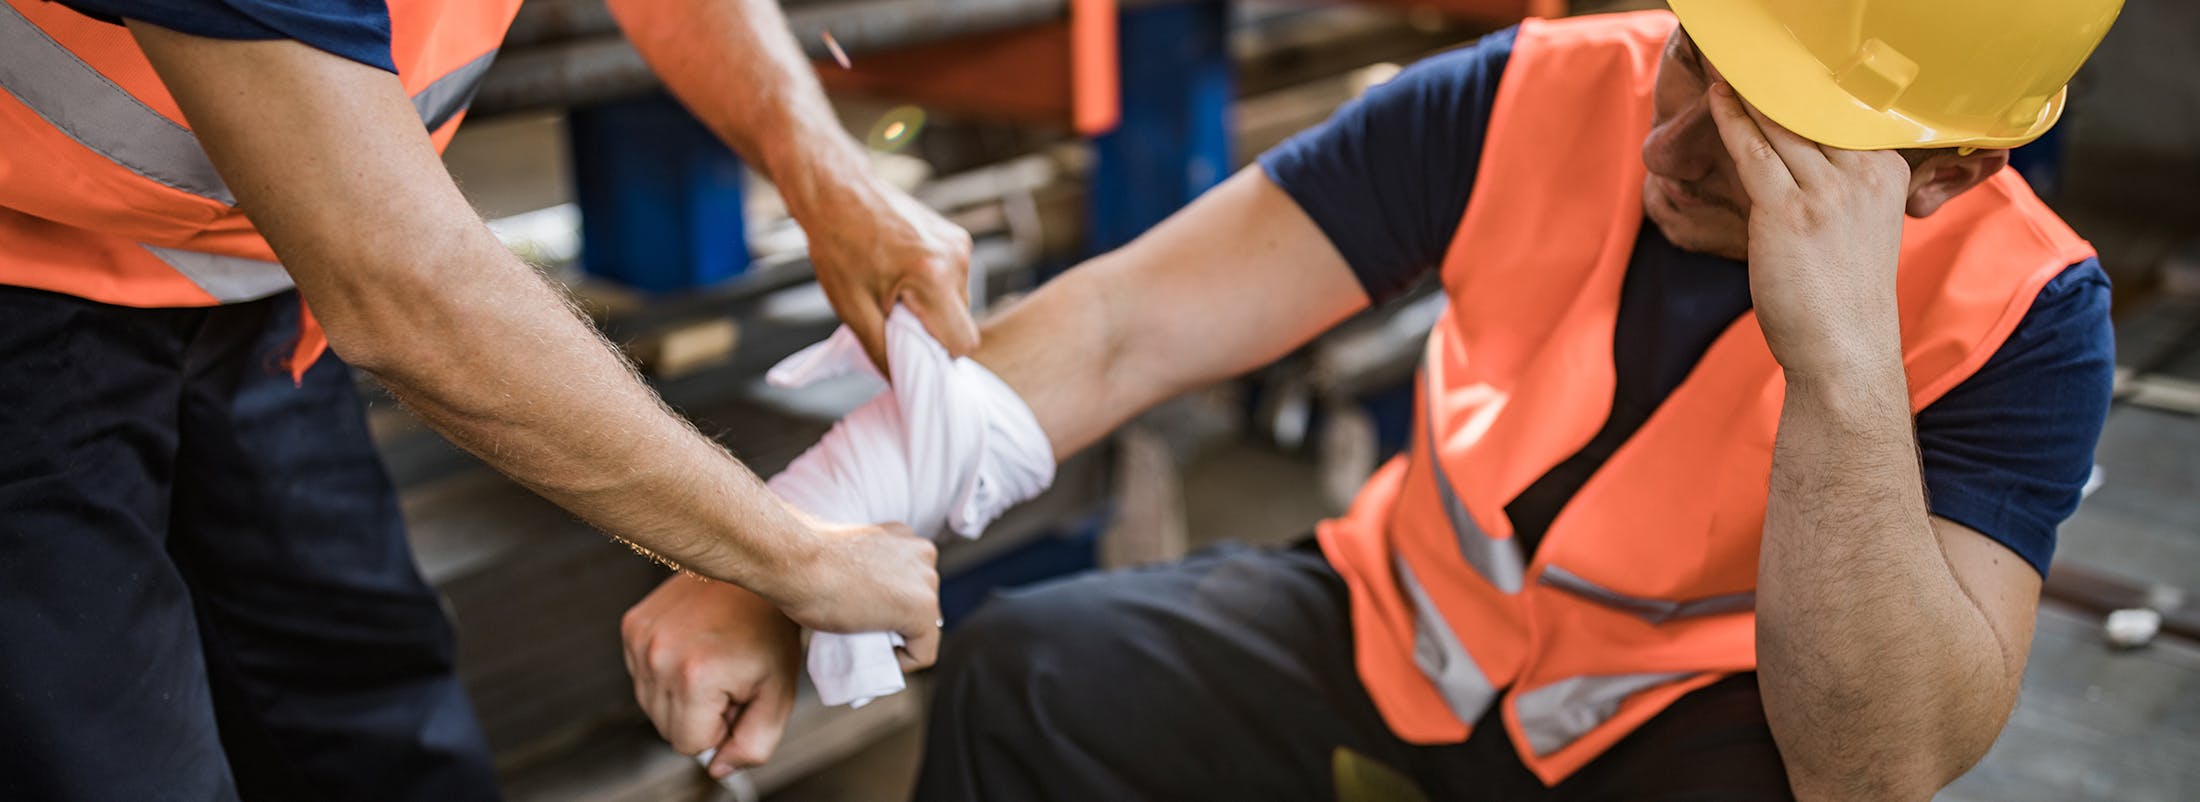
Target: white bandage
x=950, y=447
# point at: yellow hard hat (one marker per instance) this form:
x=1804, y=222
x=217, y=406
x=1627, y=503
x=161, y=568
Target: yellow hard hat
x=1884, y=74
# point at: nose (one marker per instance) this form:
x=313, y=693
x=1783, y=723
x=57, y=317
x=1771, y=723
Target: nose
x=1686, y=146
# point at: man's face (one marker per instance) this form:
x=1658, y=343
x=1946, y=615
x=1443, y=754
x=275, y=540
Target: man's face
x=1691, y=192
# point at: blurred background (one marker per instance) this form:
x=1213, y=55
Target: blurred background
x=1057, y=129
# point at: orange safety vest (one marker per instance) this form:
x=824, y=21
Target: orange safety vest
x=106, y=195
x=1643, y=589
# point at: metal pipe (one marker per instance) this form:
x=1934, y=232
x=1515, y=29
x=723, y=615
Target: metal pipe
x=570, y=74
x=544, y=22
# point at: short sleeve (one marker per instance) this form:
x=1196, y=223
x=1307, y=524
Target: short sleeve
x=2007, y=452
x=1387, y=177
x=358, y=30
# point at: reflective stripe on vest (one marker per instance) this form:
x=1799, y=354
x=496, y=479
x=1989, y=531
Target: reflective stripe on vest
x=1498, y=561
x=102, y=116
x=452, y=93
x=1559, y=713
x=78, y=101
x=1656, y=611
x=1440, y=655
x=1631, y=601
x=230, y=279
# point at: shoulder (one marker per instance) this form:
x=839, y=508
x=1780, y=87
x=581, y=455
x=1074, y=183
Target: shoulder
x=2007, y=451
x=358, y=30
x=1636, y=37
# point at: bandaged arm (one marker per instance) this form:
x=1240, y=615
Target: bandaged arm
x=1234, y=281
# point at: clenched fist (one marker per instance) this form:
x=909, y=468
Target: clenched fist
x=714, y=668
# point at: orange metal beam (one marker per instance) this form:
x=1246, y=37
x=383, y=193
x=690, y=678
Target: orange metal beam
x=1499, y=11
x=1062, y=73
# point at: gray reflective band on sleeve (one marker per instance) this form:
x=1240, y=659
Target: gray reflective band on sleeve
x=1655, y=611
x=452, y=93
x=1560, y=713
x=230, y=279
x=1439, y=654
x=1496, y=560
x=102, y=116
x=78, y=101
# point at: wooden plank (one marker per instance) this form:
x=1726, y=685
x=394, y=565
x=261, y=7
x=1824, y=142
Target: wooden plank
x=687, y=348
x=2101, y=593
x=2161, y=392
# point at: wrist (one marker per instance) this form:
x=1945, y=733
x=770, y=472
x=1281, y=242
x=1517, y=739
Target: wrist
x=788, y=558
x=826, y=175
x=1855, y=388
x=1857, y=346
x=1839, y=362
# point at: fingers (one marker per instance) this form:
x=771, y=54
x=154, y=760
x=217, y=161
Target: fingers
x=1884, y=165
x=678, y=690
x=921, y=638
x=943, y=305
x=697, y=710
x=756, y=729
x=864, y=316
x=919, y=649
x=1805, y=160
x=1762, y=171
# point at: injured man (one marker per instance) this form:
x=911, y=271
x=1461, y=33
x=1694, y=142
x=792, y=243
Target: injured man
x=1738, y=455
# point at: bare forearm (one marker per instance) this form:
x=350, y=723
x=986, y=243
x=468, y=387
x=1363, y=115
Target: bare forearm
x=1882, y=679
x=1230, y=283
x=528, y=386
x=1062, y=350
x=412, y=287
x=735, y=66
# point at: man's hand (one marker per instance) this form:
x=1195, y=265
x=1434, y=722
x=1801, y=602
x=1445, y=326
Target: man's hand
x=870, y=579
x=734, y=65
x=714, y=667
x=1825, y=234
x=882, y=246
x=1889, y=642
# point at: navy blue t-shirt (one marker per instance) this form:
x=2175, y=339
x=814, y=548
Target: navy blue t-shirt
x=355, y=29
x=2005, y=453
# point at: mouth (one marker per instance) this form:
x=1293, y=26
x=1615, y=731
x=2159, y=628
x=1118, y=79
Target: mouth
x=1685, y=198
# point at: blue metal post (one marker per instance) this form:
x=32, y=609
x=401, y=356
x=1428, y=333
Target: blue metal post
x=1174, y=139
x=660, y=196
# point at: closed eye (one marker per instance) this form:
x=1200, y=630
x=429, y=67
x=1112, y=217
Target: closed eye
x=1684, y=51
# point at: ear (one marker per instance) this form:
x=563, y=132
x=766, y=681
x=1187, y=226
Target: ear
x=1942, y=175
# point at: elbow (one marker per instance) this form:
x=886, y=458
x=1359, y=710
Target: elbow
x=377, y=350
x=1903, y=781
x=389, y=326
x=1893, y=761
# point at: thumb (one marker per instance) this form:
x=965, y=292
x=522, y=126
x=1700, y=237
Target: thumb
x=919, y=649
x=945, y=312
x=867, y=321
x=756, y=731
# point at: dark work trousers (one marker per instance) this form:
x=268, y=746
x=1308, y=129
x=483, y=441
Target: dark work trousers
x=1229, y=676
x=205, y=590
